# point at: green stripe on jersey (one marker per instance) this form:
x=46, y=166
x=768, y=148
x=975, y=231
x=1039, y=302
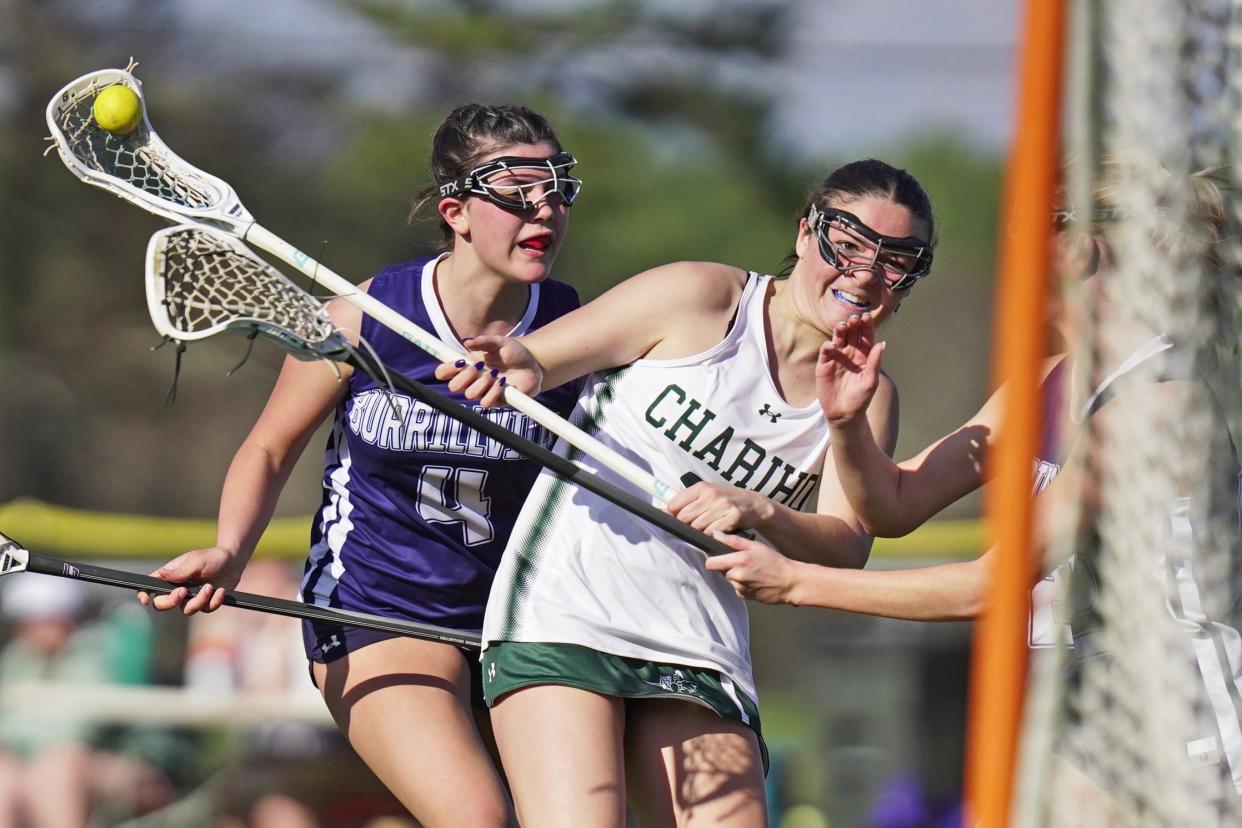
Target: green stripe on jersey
x=530, y=546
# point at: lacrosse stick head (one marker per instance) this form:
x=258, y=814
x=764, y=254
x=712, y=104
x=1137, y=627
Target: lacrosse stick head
x=136, y=166
x=202, y=281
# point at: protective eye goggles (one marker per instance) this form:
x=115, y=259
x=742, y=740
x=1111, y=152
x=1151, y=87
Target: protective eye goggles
x=517, y=183
x=848, y=244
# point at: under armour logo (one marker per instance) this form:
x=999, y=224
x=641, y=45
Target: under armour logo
x=331, y=643
x=491, y=671
x=767, y=411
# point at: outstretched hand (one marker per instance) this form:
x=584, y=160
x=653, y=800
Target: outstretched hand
x=756, y=570
x=494, y=364
x=215, y=568
x=848, y=370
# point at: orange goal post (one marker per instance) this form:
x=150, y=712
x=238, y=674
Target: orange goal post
x=1133, y=715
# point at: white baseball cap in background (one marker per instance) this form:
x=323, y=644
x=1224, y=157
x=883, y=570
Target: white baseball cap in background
x=35, y=597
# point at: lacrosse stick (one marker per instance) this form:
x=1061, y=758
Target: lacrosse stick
x=15, y=558
x=141, y=169
x=201, y=281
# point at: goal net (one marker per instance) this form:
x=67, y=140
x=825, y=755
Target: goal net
x=1138, y=722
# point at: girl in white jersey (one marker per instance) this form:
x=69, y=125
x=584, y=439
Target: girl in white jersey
x=1140, y=369
x=893, y=499
x=601, y=628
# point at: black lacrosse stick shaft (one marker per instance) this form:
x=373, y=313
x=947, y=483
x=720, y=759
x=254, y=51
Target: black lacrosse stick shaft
x=48, y=565
x=567, y=469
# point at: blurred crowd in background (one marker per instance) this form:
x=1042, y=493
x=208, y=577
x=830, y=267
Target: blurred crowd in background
x=112, y=715
x=98, y=723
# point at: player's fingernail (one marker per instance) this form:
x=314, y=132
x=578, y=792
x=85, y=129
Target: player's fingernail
x=461, y=363
x=478, y=366
x=503, y=382
x=495, y=372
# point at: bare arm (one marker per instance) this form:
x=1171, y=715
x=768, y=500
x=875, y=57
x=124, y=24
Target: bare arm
x=958, y=591
x=835, y=535
x=304, y=394
x=832, y=535
x=895, y=498
x=892, y=498
x=947, y=592
x=673, y=310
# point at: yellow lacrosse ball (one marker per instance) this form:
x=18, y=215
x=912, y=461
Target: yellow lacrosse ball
x=117, y=109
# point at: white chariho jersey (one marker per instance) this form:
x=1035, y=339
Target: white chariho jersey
x=580, y=570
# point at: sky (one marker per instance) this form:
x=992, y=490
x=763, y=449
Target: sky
x=862, y=72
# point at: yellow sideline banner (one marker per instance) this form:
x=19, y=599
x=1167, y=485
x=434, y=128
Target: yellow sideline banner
x=59, y=530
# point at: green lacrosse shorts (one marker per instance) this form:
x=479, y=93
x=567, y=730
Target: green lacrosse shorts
x=512, y=665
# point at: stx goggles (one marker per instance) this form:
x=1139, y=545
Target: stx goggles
x=517, y=183
x=848, y=244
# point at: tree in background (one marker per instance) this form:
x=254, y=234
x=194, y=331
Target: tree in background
x=315, y=118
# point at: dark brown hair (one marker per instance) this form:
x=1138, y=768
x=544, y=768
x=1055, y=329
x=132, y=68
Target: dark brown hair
x=869, y=178
x=468, y=134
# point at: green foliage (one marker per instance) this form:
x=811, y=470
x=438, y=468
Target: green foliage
x=965, y=189
x=643, y=207
x=676, y=167
x=470, y=29
x=473, y=28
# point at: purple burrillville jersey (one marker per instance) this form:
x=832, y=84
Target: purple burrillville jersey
x=417, y=508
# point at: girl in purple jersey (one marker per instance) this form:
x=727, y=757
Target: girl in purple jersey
x=416, y=508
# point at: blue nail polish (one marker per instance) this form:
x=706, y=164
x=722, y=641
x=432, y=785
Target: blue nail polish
x=503, y=382
x=495, y=372
x=478, y=366
x=461, y=363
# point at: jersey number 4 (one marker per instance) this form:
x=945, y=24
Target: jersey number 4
x=451, y=495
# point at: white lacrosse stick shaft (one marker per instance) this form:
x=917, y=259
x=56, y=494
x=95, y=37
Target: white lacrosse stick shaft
x=264, y=239
x=180, y=192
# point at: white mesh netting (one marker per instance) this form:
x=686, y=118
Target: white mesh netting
x=137, y=159
x=1139, y=723
x=207, y=286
